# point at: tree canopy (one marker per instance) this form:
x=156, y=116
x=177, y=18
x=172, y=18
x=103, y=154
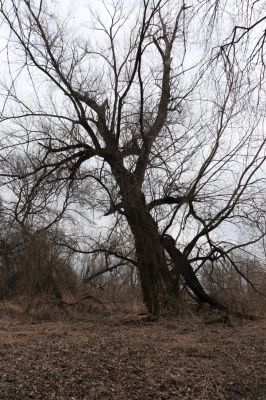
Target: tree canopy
x=150, y=113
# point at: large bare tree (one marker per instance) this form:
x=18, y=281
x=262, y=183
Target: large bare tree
x=142, y=115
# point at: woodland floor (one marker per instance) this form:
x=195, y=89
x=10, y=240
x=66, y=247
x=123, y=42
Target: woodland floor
x=115, y=357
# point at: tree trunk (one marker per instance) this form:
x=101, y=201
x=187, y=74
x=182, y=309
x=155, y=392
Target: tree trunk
x=160, y=291
x=159, y=288
x=188, y=273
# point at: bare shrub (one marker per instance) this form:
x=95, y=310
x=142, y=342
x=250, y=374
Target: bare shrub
x=242, y=289
x=115, y=290
x=35, y=269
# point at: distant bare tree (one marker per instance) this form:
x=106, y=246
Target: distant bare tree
x=148, y=125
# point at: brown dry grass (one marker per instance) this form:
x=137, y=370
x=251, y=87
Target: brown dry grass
x=115, y=357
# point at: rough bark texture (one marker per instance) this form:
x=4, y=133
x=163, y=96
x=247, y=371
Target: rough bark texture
x=160, y=292
x=158, y=287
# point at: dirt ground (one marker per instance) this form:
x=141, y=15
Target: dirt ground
x=115, y=357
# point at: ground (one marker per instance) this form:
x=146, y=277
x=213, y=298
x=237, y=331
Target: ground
x=116, y=357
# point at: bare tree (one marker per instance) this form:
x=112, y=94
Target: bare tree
x=146, y=125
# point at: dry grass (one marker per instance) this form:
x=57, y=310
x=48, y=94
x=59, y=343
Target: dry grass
x=114, y=357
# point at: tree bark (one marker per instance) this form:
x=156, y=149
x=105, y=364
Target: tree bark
x=159, y=288
x=160, y=291
x=185, y=269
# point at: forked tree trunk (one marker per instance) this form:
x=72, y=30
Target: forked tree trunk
x=160, y=287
